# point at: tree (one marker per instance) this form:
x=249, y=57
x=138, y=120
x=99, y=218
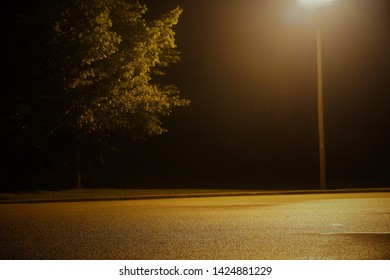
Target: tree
x=92, y=71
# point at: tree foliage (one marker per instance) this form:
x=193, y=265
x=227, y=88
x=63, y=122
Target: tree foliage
x=91, y=68
x=84, y=78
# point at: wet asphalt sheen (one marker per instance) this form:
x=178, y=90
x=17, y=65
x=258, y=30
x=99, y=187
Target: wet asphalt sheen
x=276, y=227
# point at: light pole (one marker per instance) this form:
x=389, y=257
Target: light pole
x=320, y=101
x=316, y=4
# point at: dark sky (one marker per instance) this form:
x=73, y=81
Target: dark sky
x=249, y=67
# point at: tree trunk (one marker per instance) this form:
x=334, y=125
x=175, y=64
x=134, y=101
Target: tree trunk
x=78, y=180
x=78, y=168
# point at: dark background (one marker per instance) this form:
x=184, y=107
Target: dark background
x=249, y=68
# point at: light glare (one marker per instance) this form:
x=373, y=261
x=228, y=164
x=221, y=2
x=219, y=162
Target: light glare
x=315, y=3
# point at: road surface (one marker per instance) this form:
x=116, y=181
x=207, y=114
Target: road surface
x=275, y=227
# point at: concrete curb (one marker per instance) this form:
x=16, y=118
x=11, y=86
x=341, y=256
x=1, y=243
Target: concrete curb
x=191, y=195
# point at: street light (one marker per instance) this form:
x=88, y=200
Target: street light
x=320, y=97
x=316, y=4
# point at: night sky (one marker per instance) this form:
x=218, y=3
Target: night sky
x=249, y=69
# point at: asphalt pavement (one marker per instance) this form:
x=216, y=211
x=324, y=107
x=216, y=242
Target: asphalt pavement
x=301, y=226
x=79, y=195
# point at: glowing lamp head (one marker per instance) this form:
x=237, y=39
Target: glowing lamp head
x=315, y=3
